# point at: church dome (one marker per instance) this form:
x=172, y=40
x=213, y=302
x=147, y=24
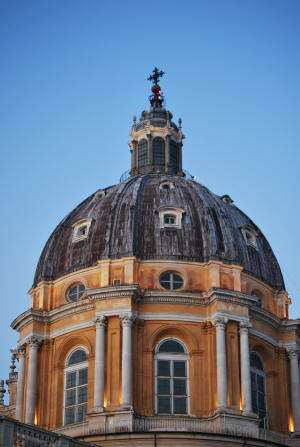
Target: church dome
x=126, y=220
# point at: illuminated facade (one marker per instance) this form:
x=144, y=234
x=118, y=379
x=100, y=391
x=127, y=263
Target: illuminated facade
x=159, y=314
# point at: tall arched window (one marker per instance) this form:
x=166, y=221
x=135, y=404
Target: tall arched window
x=143, y=146
x=171, y=378
x=76, y=387
x=158, y=154
x=258, y=387
x=173, y=157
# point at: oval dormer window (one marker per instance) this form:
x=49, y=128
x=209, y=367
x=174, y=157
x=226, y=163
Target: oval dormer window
x=75, y=293
x=171, y=281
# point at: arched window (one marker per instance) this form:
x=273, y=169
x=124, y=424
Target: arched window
x=158, y=154
x=143, y=146
x=171, y=378
x=258, y=387
x=76, y=387
x=173, y=157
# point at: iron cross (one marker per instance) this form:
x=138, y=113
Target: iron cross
x=156, y=75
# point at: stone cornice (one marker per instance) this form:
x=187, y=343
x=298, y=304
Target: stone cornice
x=200, y=299
x=45, y=318
x=273, y=321
x=105, y=293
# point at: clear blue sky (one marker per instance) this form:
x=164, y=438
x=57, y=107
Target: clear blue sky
x=73, y=73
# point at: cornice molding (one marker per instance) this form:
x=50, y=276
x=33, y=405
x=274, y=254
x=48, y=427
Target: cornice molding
x=132, y=291
x=48, y=317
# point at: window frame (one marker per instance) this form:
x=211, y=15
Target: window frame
x=76, y=237
x=75, y=367
x=171, y=280
x=172, y=211
x=182, y=356
x=263, y=374
x=250, y=236
x=72, y=287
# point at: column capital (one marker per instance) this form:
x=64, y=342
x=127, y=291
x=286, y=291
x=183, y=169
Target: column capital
x=21, y=351
x=127, y=319
x=220, y=323
x=100, y=321
x=292, y=353
x=34, y=342
x=244, y=326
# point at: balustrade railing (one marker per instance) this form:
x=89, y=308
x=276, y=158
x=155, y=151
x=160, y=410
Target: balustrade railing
x=15, y=434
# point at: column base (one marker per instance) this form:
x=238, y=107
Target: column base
x=126, y=406
x=97, y=410
x=249, y=414
x=222, y=409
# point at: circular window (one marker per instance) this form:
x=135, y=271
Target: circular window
x=171, y=281
x=75, y=292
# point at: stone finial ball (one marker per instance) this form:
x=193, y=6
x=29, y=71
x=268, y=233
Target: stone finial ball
x=155, y=88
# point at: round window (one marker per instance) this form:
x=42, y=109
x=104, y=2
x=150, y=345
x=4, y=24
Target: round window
x=75, y=292
x=171, y=281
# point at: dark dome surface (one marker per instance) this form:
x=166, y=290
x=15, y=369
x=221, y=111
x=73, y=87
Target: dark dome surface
x=125, y=223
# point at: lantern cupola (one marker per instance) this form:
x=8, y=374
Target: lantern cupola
x=156, y=141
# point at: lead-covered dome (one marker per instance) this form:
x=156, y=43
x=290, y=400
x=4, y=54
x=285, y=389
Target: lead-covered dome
x=126, y=220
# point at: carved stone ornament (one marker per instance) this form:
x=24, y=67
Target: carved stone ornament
x=34, y=342
x=100, y=321
x=21, y=351
x=293, y=354
x=220, y=323
x=245, y=326
x=127, y=319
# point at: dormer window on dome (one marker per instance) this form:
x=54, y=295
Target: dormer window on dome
x=81, y=229
x=99, y=194
x=250, y=236
x=170, y=217
x=166, y=185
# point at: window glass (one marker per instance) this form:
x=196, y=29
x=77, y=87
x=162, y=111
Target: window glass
x=169, y=219
x=171, y=346
x=173, y=164
x=158, y=154
x=142, y=156
x=171, y=281
x=258, y=388
x=75, y=293
x=76, y=357
x=76, y=390
x=171, y=387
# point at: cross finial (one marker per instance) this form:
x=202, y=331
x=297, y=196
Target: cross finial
x=156, y=75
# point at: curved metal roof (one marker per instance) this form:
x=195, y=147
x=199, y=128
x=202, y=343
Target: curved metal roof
x=125, y=222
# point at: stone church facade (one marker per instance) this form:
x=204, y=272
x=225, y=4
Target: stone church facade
x=158, y=315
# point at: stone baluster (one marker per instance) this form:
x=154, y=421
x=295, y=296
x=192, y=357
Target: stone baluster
x=245, y=368
x=21, y=383
x=220, y=325
x=127, y=321
x=101, y=324
x=34, y=344
x=295, y=388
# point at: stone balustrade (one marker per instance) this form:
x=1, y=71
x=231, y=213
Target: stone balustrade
x=16, y=434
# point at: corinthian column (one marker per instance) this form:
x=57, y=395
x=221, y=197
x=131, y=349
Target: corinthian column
x=245, y=368
x=295, y=389
x=127, y=321
x=220, y=325
x=34, y=344
x=21, y=383
x=101, y=324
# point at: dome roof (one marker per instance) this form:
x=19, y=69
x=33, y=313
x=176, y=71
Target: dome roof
x=124, y=221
